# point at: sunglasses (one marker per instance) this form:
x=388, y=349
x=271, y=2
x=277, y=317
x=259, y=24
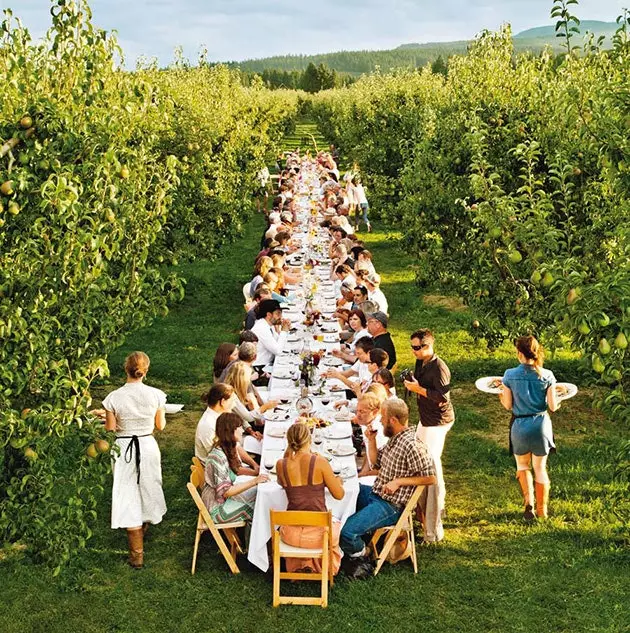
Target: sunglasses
x=417, y=348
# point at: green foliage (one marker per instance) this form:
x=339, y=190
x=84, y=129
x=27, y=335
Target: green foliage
x=510, y=178
x=105, y=176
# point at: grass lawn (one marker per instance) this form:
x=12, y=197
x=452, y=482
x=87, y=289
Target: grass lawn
x=491, y=573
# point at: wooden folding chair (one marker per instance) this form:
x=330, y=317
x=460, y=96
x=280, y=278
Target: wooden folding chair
x=205, y=523
x=283, y=550
x=404, y=524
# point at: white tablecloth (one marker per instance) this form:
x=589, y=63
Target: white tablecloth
x=271, y=495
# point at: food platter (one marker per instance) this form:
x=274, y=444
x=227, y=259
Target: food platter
x=565, y=390
x=490, y=384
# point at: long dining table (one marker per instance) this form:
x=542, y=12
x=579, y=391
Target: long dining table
x=334, y=442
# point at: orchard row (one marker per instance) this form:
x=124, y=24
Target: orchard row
x=106, y=178
x=510, y=180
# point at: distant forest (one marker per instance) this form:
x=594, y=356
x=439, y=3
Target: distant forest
x=328, y=70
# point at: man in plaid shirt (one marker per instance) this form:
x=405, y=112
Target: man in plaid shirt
x=403, y=463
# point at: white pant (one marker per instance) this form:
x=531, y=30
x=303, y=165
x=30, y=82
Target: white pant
x=434, y=438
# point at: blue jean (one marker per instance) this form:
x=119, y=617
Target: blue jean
x=361, y=208
x=372, y=513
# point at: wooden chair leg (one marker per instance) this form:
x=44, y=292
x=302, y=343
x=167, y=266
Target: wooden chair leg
x=414, y=556
x=276, y=569
x=325, y=563
x=389, y=543
x=229, y=559
x=195, y=550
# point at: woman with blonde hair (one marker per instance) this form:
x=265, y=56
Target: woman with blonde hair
x=133, y=412
x=262, y=267
x=239, y=376
x=305, y=477
x=529, y=392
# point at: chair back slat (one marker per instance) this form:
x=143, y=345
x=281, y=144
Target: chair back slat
x=298, y=517
x=197, y=473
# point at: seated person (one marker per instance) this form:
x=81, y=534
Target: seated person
x=245, y=405
x=357, y=329
x=360, y=369
x=305, y=477
x=368, y=417
x=364, y=260
x=226, y=500
x=262, y=292
x=246, y=353
x=360, y=296
x=261, y=269
x=271, y=330
x=402, y=464
x=226, y=353
x=377, y=327
x=385, y=377
x=220, y=399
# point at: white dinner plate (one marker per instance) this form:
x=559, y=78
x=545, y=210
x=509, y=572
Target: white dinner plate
x=173, y=408
x=342, y=451
x=484, y=384
x=571, y=390
x=331, y=361
x=337, y=434
x=277, y=432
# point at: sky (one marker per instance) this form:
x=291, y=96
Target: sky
x=244, y=29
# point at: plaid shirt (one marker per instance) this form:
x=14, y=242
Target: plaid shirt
x=402, y=456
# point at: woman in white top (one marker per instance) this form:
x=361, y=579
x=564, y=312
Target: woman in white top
x=133, y=411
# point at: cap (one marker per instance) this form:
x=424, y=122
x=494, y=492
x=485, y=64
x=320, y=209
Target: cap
x=379, y=316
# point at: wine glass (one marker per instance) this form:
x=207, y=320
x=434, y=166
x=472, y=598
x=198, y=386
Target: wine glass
x=269, y=463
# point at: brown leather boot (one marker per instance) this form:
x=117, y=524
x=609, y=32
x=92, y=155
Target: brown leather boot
x=526, y=481
x=542, y=499
x=136, y=549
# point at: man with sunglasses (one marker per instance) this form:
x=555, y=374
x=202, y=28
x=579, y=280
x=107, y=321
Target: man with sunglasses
x=431, y=383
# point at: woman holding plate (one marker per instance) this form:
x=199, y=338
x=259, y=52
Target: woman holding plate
x=529, y=392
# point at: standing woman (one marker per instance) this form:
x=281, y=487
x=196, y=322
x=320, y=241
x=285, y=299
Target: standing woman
x=133, y=411
x=528, y=391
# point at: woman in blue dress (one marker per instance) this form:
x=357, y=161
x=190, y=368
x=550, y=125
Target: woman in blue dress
x=529, y=392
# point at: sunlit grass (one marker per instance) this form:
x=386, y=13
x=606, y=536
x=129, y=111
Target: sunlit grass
x=492, y=573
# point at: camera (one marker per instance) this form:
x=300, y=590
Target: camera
x=406, y=374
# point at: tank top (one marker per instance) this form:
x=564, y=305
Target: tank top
x=309, y=497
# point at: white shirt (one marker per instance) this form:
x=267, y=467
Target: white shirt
x=205, y=433
x=359, y=192
x=270, y=343
x=363, y=372
x=358, y=335
x=381, y=440
x=379, y=298
x=135, y=405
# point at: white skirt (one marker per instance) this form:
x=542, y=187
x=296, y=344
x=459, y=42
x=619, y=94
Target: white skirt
x=136, y=503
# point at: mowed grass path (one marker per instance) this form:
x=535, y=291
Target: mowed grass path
x=492, y=572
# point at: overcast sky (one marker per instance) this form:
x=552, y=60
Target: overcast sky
x=242, y=29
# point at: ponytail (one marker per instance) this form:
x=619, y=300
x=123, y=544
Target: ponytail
x=532, y=350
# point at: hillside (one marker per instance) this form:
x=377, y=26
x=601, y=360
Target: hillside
x=594, y=26
x=412, y=54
